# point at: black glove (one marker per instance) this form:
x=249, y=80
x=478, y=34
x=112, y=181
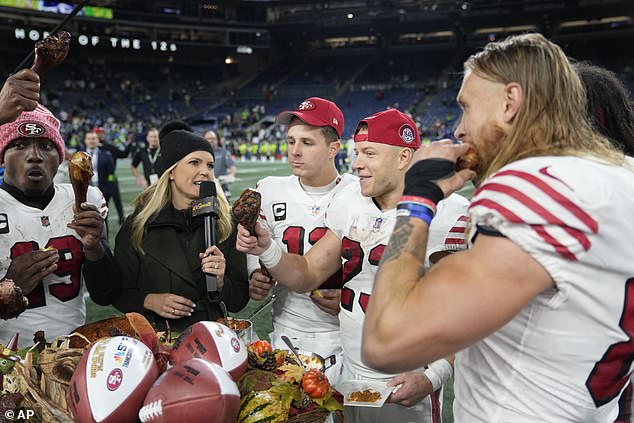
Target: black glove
x=420, y=179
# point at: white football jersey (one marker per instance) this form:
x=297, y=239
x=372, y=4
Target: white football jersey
x=56, y=305
x=364, y=231
x=568, y=354
x=296, y=222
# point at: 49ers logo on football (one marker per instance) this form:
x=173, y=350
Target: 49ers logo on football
x=31, y=129
x=235, y=344
x=114, y=379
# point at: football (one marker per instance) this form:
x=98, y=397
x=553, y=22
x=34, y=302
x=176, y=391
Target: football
x=194, y=391
x=111, y=381
x=213, y=342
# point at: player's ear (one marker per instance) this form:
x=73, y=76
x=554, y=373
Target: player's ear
x=334, y=148
x=513, y=100
x=405, y=156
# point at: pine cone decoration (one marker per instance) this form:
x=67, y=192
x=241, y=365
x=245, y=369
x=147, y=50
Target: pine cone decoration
x=267, y=361
x=290, y=359
x=270, y=361
x=305, y=401
x=253, y=361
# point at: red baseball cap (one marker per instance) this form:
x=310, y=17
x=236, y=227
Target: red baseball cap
x=317, y=112
x=390, y=127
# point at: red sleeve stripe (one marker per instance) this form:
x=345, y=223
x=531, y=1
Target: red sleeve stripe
x=539, y=210
x=436, y=411
x=512, y=217
x=455, y=241
x=584, y=217
x=262, y=217
x=456, y=235
x=561, y=249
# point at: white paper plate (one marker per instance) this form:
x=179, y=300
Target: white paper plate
x=350, y=386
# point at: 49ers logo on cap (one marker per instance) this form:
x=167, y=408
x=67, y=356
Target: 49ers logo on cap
x=306, y=105
x=31, y=129
x=406, y=133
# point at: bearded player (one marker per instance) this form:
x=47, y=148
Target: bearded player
x=292, y=212
x=44, y=241
x=360, y=220
x=539, y=309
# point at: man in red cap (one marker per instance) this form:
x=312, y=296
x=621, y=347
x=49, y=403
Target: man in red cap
x=45, y=243
x=292, y=213
x=360, y=219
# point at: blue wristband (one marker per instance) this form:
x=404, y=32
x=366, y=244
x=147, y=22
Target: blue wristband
x=407, y=209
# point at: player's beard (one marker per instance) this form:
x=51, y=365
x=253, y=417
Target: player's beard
x=490, y=142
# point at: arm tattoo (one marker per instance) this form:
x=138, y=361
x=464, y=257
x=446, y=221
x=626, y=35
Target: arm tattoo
x=398, y=240
x=401, y=236
x=398, y=244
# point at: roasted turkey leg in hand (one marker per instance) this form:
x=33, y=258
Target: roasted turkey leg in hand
x=246, y=209
x=80, y=171
x=12, y=302
x=469, y=160
x=50, y=52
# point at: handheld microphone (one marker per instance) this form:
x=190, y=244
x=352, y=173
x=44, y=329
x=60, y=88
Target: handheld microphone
x=207, y=206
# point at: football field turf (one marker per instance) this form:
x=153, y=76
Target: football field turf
x=248, y=174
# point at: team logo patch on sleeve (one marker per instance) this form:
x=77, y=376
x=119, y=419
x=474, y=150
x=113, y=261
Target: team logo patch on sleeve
x=279, y=211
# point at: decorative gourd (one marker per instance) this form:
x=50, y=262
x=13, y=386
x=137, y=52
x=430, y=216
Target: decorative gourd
x=315, y=383
x=261, y=407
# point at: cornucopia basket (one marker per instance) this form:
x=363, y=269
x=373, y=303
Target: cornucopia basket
x=45, y=392
x=315, y=416
x=40, y=382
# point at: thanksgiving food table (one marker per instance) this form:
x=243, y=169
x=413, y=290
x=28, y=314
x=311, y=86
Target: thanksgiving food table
x=120, y=369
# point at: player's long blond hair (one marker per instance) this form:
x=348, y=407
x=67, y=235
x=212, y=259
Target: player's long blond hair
x=152, y=200
x=552, y=121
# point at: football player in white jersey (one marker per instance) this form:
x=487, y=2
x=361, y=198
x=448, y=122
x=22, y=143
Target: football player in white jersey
x=292, y=212
x=44, y=240
x=611, y=113
x=360, y=220
x=539, y=309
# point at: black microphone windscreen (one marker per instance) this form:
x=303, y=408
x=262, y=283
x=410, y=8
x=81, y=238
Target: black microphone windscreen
x=207, y=189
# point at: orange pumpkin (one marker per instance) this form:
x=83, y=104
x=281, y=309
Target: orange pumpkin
x=315, y=383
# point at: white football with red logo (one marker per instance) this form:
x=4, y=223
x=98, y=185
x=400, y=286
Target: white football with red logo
x=111, y=381
x=194, y=391
x=211, y=341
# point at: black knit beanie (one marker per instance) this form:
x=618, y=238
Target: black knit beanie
x=173, y=125
x=177, y=144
